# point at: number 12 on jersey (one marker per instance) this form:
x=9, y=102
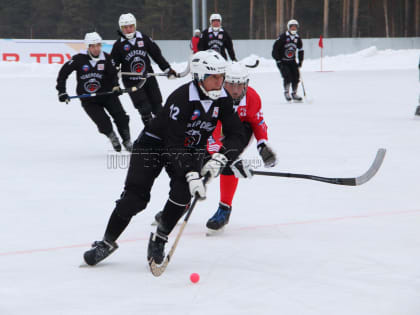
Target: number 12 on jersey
x=174, y=112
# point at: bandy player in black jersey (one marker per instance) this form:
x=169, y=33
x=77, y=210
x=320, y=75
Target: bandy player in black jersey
x=284, y=52
x=176, y=140
x=216, y=38
x=132, y=51
x=96, y=73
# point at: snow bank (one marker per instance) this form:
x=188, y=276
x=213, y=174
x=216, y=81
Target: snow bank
x=367, y=59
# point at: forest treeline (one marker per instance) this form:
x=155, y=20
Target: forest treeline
x=244, y=19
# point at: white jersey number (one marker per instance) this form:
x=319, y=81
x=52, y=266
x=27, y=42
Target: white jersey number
x=174, y=112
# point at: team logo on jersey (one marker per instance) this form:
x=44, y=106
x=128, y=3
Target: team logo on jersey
x=192, y=138
x=287, y=40
x=220, y=36
x=85, y=68
x=195, y=115
x=210, y=36
x=126, y=47
x=92, y=85
x=138, y=65
x=101, y=66
x=290, y=53
x=215, y=112
x=140, y=43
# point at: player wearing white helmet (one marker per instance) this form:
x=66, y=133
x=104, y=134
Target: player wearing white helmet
x=194, y=40
x=128, y=25
x=248, y=106
x=96, y=73
x=215, y=37
x=132, y=52
x=176, y=140
x=285, y=48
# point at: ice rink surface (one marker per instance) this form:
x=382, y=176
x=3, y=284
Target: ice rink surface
x=292, y=246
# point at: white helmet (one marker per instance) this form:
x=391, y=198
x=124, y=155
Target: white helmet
x=290, y=23
x=92, y=39
x=204, y=64
x=196, y=31
x=237, y=73
x=127, y=19
x=215, y=16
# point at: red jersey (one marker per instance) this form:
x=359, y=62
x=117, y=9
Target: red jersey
x=249, y=110
x=194, y=43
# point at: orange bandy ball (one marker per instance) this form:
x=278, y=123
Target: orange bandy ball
x=194, y=277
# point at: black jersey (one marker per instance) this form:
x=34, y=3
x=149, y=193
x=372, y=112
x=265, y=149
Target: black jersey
x=218, y=41
x=92, y=76
x=133, y=56
x=189, y=118
x=286, y=46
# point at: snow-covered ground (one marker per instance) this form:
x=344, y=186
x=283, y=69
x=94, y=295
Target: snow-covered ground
x=292, y=246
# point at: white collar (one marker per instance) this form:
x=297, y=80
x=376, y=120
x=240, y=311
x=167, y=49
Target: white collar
x=101, y=55
x=138, y=35
x=211, y=30
x=243, y=101
x=291, y=35
x=195, y=96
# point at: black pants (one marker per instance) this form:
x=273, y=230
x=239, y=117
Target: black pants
x=147, y=160
x=95, y=108
x=148, y=99
x=290, y=74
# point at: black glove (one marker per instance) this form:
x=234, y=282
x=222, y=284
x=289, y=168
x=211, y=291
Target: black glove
x=117, y=90
x=242, y=169
x=64, y=97
x=300, y=64
x=171, y=74
x=267, y=154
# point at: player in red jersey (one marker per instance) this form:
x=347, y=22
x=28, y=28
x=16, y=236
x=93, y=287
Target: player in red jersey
x=248, y=106
x=194, y=41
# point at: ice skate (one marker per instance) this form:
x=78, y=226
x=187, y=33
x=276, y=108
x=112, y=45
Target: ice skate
x=296, y=98
x=99, y=251
x=114, y=141
x=156, y=248
x=217, y=222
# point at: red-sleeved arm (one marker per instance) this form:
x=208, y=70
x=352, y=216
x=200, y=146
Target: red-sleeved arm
x=255, y=116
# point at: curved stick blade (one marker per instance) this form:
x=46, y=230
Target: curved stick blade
x=373, y=169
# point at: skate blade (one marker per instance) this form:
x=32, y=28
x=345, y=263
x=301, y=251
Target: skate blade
x=211, y=232
x=154, y=223
x=84, y=265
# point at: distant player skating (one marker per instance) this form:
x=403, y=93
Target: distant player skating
x=132, y=52
x=194, y=40
x=284, y=52
x=217, y=38
x=96, y=73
